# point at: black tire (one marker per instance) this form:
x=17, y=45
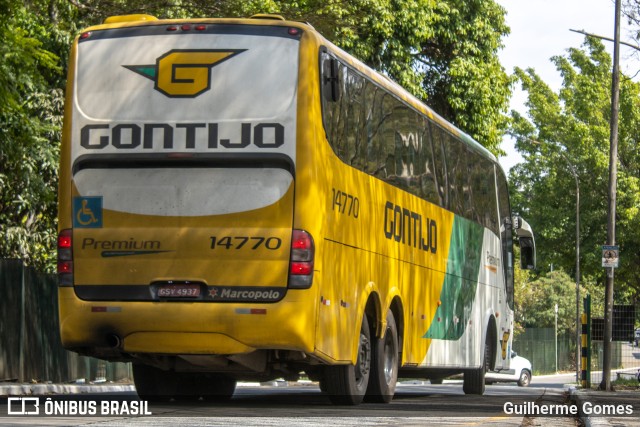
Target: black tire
x=323, y=385
x=525, y=378
x=436, y=381
x=347, y=384
x=473, y=380
x=188, y=389
x=210, y=387
x=384, y=365
x=217, y=388
x=153, y=384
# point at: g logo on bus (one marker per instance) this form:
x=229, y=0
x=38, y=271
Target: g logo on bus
x=184, y=73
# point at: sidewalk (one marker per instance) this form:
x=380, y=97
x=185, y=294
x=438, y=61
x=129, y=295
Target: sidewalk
x=602, y=408
x=12, y=389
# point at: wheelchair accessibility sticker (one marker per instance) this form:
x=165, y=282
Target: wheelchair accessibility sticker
x=87, y=212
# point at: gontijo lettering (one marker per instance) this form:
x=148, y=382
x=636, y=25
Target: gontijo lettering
x=167, y=136
x=410, y=228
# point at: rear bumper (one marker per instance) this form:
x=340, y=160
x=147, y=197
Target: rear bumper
x=189, y=327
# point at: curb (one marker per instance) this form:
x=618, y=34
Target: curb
x=42, y=389
x=587, y=421
x=8, y=390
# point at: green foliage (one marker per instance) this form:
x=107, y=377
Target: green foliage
x=566, y=137
x=30, y=119
x=535, y=306
x=523, y=295
x=463, y=78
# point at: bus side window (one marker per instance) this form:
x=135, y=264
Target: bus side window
x=440, y=164
x=506, y=227
x=428, y=179
x=377, y=126
x=457, y=167
x=483, y=190
x=330, y=79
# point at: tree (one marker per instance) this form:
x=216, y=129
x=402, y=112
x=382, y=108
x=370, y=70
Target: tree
x=536, y=307
x=463, y=78
x=567, y=133
x=30, y=116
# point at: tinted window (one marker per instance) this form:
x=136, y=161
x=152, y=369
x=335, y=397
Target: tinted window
x=377, y=133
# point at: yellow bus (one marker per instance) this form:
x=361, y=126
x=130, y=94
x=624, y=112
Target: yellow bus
x=241, y=200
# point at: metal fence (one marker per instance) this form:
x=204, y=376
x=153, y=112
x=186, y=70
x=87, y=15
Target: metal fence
x=625, y=353
x=30, y=347
x=539, y=346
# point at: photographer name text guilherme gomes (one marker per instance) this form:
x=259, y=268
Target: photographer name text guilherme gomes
x=588, y=408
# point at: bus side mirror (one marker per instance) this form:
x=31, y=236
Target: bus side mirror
x=527, y=243
x=330, y=80
x=527, y=253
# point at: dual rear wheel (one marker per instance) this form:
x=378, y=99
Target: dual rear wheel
x=373, y=378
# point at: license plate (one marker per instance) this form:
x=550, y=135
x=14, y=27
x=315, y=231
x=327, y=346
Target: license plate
x=179, y=291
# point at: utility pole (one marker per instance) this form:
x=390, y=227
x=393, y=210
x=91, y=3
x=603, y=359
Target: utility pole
x=611, y=217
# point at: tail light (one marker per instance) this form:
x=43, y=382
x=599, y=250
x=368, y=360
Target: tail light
x=301, y=265
x=65, y=258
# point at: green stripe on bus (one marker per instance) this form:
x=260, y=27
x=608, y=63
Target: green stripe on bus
x=458, y=291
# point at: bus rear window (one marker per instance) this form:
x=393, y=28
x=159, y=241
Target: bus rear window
x=184, y=191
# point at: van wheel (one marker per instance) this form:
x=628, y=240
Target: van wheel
x=384, y=365
x=153, y=384
x=347, y=384
x=525, y=378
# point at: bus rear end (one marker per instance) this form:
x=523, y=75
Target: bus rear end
x=177, y=199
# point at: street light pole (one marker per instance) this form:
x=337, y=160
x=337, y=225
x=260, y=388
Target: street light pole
x=578, y=322
x=573, y=170
x=611, y=217
x=556, y=338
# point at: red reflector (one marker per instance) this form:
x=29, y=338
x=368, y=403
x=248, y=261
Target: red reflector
x=200, y=27
x=258, y=311
x=172, y=28
x=98, y=309
x=301, y=240
x=85, y=35
x=294, y=31
x=301, y=268
x=186, y=27
x=65, y=267
x=64, y=239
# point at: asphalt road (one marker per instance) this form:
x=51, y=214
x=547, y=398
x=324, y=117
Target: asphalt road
x=415, y=404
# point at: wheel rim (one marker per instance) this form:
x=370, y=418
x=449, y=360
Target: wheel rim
x=524, y=378
x=364, y=360
x=389, y=358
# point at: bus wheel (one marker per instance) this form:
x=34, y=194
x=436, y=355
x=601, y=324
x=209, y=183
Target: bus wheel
x=473, y=382
x=217, y=388
x=211, y=387
x=153, y=384
x=384, y=364
x=347, y=384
